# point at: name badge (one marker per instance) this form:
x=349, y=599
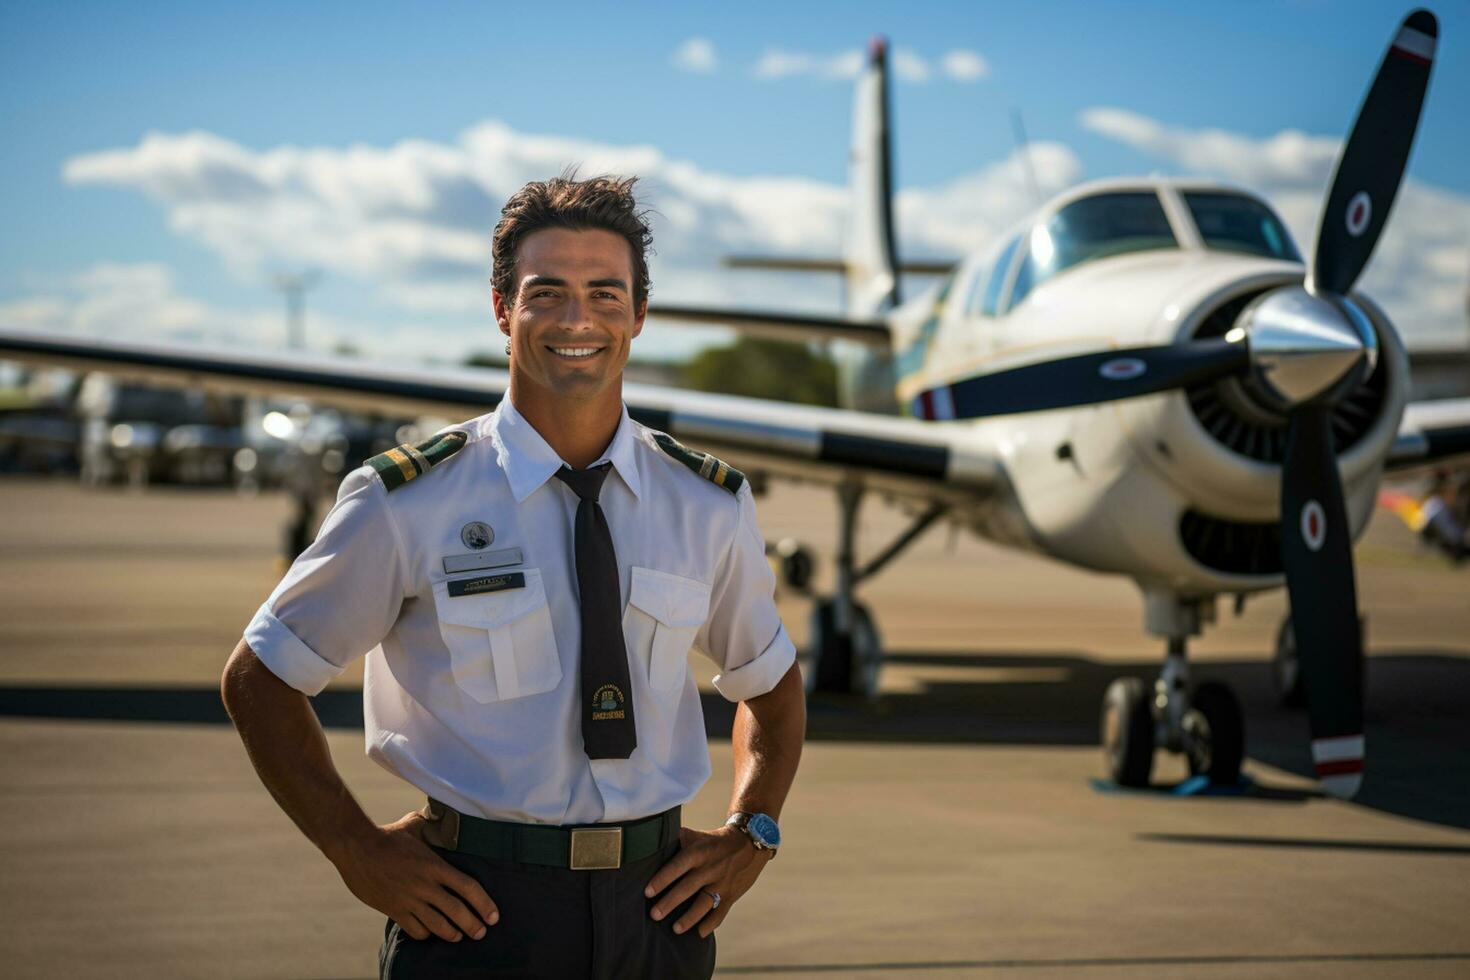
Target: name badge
x=487, y=583
x=481, y=559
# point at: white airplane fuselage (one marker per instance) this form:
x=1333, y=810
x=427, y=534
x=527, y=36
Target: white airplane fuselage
x=1107, y=486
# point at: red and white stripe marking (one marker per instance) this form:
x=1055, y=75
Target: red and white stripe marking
x=936, y=404
x=1339, y=763
x=1414, y=45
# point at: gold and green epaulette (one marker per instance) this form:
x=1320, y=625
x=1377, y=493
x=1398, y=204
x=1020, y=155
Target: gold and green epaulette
x=716, y=471
x=402, y=463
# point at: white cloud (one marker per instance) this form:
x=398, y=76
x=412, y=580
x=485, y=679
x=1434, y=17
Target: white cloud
x=965, y=213
x=142, y=302
x=910, y=66
x=1418, y=271
x=697, y=54
x=964, y=66
x=411, y=222
x=777, y=63
x=1288, y=159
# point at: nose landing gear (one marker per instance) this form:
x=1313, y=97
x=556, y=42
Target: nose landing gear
x=1204, y=724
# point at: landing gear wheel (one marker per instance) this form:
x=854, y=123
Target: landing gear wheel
x=1214, y=734
x=844, y=664
x=1128, y=732
x=1286, y=670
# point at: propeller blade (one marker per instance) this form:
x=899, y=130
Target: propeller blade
x=1317, y=553
x=1374, y=157
x=1085, y=379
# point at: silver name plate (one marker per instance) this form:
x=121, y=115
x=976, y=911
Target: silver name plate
x=477, y=560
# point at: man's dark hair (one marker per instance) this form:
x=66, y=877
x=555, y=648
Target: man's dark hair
x=566, y=202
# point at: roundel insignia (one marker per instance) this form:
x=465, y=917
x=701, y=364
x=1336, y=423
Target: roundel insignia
x=1122, y=369
x=476, y=535
x=1314, y=525
x=1359, y=212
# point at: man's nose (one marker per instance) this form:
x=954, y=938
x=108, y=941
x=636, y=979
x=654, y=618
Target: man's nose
x=575, y=314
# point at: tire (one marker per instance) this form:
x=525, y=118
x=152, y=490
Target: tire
x=1214, y=730
x=1127, y=732
x=1286, y=672
x=844, y=664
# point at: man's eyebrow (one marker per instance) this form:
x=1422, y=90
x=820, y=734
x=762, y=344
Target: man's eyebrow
x=532, y=281
x=609, y=282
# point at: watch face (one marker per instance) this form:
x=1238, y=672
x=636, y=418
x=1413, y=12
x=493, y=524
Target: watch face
x=764, y=829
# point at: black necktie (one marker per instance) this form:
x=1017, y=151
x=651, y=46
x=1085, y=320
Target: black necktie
x=607, y=697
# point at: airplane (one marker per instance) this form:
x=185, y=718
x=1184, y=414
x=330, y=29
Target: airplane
x=1143, y=378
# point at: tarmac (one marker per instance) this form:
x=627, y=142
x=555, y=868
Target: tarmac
x=955, y=827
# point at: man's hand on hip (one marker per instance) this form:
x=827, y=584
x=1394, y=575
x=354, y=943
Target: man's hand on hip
x=723, y=862
x=395, y=872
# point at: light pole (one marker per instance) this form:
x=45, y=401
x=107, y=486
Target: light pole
x=294, y=288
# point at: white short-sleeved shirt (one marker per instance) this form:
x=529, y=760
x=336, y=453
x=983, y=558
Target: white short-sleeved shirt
x=474, y=698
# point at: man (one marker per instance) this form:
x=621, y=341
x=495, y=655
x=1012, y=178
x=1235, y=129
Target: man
x=526, y=587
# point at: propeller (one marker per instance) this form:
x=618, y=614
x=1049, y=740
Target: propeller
x=1308, y=346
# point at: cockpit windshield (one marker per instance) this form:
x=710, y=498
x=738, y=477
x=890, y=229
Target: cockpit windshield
x=1237, y=223
x=1093, y=228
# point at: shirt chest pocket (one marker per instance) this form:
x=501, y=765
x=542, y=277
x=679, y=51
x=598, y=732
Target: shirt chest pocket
x=664, y=614
x=501, y=645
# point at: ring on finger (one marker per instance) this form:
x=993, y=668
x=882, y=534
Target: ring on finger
x=713, y=897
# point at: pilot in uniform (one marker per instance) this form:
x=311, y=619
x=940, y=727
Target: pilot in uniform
x=456, y=566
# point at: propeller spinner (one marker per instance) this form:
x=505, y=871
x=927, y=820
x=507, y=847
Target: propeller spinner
x=1308, y=345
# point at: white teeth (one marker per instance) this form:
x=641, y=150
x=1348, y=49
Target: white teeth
x=575, y=351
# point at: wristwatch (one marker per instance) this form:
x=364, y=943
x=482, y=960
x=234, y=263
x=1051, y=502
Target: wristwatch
x=760, y=828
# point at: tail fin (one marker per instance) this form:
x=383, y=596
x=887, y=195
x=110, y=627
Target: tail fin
x=869, y=254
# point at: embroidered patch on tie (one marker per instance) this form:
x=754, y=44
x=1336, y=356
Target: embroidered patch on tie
x=716, y=471
x=403, y=463
x=477, y=535
x=486, y=583
x=607, y=703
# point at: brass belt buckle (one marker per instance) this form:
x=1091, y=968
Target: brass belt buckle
x=597, y=848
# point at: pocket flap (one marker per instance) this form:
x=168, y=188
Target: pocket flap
x=670, y=599
x=489, y=610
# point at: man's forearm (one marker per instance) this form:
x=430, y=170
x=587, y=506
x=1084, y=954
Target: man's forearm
x=286, y=744
x=767, y=739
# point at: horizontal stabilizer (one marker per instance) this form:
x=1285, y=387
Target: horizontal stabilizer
x=781, y=326
x=778, y=263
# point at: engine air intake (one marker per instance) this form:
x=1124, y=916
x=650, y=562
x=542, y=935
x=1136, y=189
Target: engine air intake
x=1233, y=547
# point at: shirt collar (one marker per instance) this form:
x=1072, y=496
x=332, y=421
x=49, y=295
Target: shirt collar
x=529, y=461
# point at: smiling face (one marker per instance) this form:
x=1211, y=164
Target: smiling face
x=572, y=320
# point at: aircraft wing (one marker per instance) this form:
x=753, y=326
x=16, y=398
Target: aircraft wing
x=905, y=457
x=781, y=326
x=1432, y=433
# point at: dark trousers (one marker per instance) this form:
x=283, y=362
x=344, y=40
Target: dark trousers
x=558, y=923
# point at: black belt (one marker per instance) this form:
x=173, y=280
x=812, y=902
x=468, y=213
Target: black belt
x=588, y=848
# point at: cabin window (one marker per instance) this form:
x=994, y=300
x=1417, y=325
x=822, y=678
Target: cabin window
x=1238, y=223
x=1093, y=228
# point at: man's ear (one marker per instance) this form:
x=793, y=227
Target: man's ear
x=638, y=318
x=502, y=311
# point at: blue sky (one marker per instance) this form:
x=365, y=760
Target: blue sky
x=77, y=79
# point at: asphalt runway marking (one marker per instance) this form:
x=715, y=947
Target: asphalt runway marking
x=1311, y=843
